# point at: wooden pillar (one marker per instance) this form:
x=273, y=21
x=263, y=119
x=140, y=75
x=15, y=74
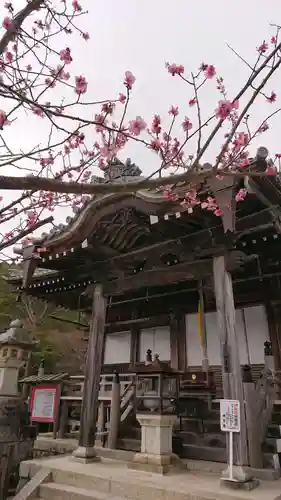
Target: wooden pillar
x=174, y=341
x=57, y=413
x=182, y=342
x=178, y=341
x=231, y=369
x=90, y=403
x=273, y=319
x=63, y=418
x=203, y=332
x=219, y=274
x=114, y=413
x=100, y=438
x=135, y=334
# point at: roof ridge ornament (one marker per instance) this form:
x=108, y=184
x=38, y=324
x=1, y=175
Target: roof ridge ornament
x=118, y=171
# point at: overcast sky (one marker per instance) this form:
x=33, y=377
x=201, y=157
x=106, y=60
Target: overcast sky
x=141, y=35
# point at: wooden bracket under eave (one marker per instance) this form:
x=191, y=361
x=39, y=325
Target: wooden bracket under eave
x=30, y=263
x=224, y=190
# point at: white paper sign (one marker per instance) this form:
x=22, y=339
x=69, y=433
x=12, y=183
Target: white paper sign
x=44, y=404
x=230, y=415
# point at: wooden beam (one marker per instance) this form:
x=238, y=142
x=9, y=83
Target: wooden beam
x=159, y=276
x=177, y=245
x=89, y=409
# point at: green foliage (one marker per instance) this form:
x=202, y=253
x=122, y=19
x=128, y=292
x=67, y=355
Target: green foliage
x=44, y=352
x=7, y=299
x=42, y=329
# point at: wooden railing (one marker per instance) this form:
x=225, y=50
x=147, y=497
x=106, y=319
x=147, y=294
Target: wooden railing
x=73, y=387
x=116, y=402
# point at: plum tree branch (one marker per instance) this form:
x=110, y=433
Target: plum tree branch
x=17, y=23
x=25, y=232
x=191, y=178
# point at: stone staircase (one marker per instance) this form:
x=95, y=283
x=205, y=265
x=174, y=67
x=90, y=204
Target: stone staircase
x=65, y=479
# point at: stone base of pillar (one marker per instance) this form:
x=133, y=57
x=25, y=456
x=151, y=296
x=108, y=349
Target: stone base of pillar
x=161, y=464
x=85, y=455
x=242, y=479
x=239, y=474
x=156, y=444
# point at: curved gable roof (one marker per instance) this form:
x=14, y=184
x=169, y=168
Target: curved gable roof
x=83, y=224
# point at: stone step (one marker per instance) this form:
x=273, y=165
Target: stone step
x=80, y=480
x=200, y=426
x=132, y=444
x=53, y=491
x=212, y=454
x=207, y=439
x=112, y=480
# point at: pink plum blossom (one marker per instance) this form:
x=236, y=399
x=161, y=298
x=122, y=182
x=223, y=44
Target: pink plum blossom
x=262, y=48
x=9, y=57
x=272, y=97
x=241, y=195
x=65, y=56
x=76, y=6
x=108, y=107
x=136, y=126
x=264, y=127
x=7, y=22
x=81, y=84
x=37, y=111
x=210, y=71
x=122, y=98
x=271, y=170
x=242, y=139
x=3, y=118
x=224, y=108
x=129, y=80
x=174, y=110
x=175, y=69
x=186, y=124
x=155, y=145
x=218, y=212
x=156, y=127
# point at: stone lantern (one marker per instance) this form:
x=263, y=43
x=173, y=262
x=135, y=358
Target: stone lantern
x=15, y=347
x=156, y=397
x=157, y=388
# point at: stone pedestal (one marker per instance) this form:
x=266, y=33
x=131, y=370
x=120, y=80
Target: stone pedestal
x=156, y=444
x=85, y=455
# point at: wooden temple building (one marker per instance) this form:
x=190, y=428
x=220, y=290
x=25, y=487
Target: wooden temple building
x=141, y=266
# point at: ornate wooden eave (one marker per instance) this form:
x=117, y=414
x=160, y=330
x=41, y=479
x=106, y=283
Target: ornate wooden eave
x=81, y=226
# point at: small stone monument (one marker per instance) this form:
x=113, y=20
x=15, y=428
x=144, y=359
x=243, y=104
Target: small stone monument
x=16, y=435
x=15, y=347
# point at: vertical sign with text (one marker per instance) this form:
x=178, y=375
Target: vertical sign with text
x=230, y=415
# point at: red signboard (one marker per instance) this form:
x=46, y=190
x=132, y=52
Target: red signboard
x=43, y=403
